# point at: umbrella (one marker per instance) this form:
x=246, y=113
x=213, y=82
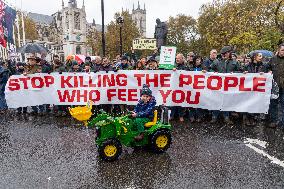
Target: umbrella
x=265, y=53
x=32, y=48
x=78, y=57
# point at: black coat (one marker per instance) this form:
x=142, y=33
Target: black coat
x=107, y=68
x=181, y=67
x=97, y=67
x=225, y=66
x=256, y=67
x=276, y=65
x=4, y=76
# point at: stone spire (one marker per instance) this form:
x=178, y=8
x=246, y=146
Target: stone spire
x=138, y=5
x=72, y=3
x=83, y=6
x=133, y=7
x=144, y=6
x=62, y=4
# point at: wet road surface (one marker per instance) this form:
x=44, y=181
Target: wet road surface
x=49, y=152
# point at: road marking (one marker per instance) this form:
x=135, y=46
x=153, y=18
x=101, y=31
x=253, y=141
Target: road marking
x=256, y=141
x=248, y=142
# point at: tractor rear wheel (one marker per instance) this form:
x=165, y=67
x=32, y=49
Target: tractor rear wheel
x=110, y=150
x=160, y=141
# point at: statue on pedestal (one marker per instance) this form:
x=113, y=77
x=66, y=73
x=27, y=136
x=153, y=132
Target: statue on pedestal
x=161, y=31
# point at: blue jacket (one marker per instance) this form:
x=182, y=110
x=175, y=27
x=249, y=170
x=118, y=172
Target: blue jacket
x=207, y=63
x=145, y=110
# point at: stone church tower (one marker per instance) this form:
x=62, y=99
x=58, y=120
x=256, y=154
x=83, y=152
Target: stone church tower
x=139, y=17
x=74, y=28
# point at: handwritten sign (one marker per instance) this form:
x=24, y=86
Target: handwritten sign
x=167, y=57
x=142, y=44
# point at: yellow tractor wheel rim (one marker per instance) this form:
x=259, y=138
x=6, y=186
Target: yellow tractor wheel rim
x=162, y=141
x=110, y=150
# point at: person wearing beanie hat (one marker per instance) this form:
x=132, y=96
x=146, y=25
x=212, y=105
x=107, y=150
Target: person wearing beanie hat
x=144, y=111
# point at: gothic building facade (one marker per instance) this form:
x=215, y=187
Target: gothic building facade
x=74, y=28
x=139, y=17
x=64, y=32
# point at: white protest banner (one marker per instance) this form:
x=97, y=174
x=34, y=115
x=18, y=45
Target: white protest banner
x=226, y=92
x=142, y=44
x=167, y=57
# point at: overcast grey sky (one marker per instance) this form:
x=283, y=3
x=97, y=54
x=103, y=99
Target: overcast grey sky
x=155, y=8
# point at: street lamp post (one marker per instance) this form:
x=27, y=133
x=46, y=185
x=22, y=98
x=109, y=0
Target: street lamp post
x=103, y=28
x=120, y=21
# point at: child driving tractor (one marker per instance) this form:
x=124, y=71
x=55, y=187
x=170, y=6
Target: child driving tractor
x=144, y=111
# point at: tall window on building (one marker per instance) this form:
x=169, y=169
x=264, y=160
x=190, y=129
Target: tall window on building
x=78, y=49
x=67, y=20
x=77, y=20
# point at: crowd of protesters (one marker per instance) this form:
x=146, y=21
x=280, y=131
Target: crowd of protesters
x=226, y=61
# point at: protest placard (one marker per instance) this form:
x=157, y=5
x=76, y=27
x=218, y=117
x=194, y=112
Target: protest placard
x=167, y=57
x=143, y=44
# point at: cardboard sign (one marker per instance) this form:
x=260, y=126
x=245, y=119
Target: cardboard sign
x=167, y=57
x=142, y=44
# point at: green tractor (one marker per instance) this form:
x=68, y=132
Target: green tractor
x=113, y=132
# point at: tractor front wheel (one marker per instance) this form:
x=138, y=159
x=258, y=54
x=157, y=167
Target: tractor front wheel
x=110, y=150
x=160, y=141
